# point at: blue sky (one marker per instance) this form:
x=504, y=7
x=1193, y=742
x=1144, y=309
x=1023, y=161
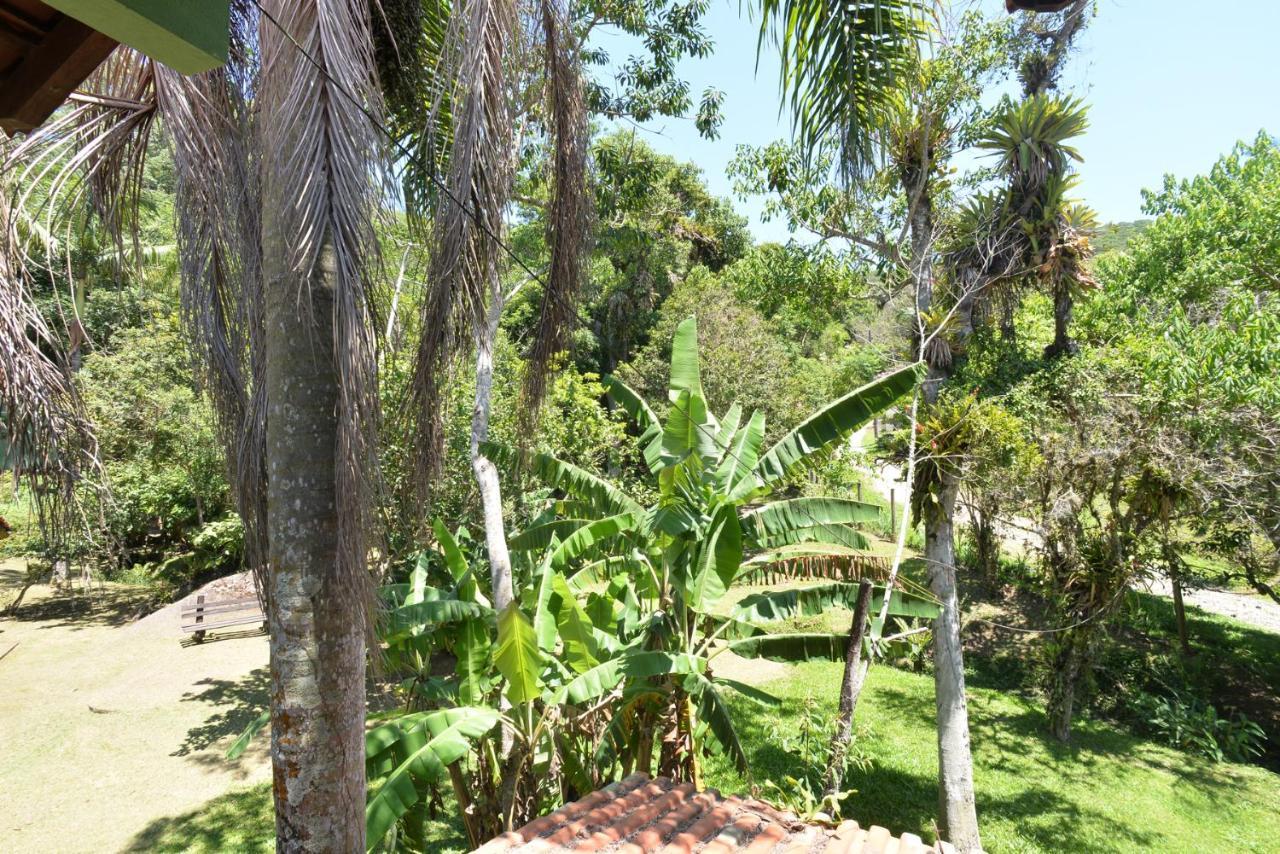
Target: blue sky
x=1171, y=85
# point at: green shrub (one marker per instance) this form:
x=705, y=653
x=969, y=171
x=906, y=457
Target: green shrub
x=1190, y=724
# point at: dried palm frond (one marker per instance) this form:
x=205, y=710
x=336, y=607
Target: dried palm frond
x=93, y=151
x=469, y=220
x=44, y=435
x=218, y=205
x=90, y=156
x=318, y=99
x=571, y=212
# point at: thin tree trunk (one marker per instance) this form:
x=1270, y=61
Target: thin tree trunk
x=486, y=472
x=986, y=544
x=1062, y=308
x=1069, y=663
x=850, y=690
x=955, y=764
x=1180, y=612
x=317, y=648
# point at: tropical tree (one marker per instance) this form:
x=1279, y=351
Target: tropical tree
x=621, y=608
x=900, y=219
x=281, y=164
x=682, y=553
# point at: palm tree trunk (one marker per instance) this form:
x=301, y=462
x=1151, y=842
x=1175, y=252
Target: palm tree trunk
x=955, y=764
x=850, y=689
x=317, y=649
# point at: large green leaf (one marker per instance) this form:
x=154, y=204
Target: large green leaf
x=544, y=615
x=603, y=678
x=631, y=402
x=636, y=407
x=598, y=571
x=796, y=602
x=793, y=647
x=713, y=711
x=728, y=427
x=432, y=611
x=763, y=698
x=818, y=599
x=417, y=581
x=736, y=472
x=423, y=745
x=685, y=375
x=689, y=431
x=815, y=537
x=577, y=632
x=781, y=518
x=458, y=567
x=473, y=648
x=835, y=421
x=558, y=474
x=517, y=655
x=538, y=537
x=804, y=549
x=719, y=559
x=592, y=534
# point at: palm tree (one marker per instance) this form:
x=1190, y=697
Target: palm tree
x=840, y=64
x=280, y=169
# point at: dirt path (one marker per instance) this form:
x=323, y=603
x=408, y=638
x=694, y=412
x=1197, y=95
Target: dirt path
x=1021, y=535
x=1247, y=608
x=108, y=725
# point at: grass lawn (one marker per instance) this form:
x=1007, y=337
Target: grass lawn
x=1108, y=791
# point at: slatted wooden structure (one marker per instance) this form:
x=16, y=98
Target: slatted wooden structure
x=207, y=616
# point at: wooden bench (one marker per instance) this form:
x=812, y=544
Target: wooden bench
x=205, y=617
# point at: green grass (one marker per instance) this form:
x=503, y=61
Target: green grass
x=244, y=821
x=1108, y=791
x=241, y=820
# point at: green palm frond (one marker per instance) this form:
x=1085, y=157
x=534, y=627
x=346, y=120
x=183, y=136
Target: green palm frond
x=1030, y=137
x=840, y=58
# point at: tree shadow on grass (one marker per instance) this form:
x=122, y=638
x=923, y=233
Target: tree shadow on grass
x=244, y=821
x=240, y=701
x=78, y=609
x=240, y=821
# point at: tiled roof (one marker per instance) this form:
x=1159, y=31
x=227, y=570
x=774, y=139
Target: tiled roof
x=643, y=816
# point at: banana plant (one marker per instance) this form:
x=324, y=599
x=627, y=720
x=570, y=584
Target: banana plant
x=654, y=580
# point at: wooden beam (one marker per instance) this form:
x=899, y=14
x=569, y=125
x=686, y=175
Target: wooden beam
x=48, y=74
x=188, y=36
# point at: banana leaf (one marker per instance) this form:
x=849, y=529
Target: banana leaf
x=835, y=421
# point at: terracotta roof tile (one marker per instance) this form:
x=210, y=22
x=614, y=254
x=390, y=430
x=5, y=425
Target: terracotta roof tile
x=642, y=816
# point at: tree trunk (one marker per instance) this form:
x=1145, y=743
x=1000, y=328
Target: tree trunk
x=1066, y=667
x=1180, y=612
x=486, y=473
x=986, y=544
x=317, y=643
x=955, y=765
x=850, y=689
x=1062, y=307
